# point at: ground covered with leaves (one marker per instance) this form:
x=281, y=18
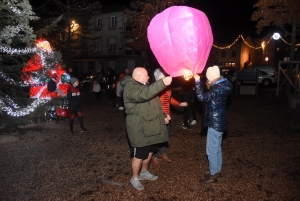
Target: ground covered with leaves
x=260, y=153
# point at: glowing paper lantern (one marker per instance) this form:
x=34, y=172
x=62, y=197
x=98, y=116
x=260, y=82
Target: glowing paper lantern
x=181, y=39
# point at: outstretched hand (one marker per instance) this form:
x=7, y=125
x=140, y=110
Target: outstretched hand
x=183, y=104
x=197, y=77
x=167, y=80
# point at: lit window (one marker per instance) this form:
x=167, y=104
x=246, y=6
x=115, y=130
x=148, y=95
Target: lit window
x=113, y=21
x=286, y=58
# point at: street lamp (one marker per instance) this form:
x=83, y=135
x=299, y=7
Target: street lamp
x=276, y=36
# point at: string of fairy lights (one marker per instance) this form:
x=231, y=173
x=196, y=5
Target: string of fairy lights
x=275, y=36
x=16, y=111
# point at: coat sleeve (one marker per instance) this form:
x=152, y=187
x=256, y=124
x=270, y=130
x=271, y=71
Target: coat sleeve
x=201, y=95
x=139, y=93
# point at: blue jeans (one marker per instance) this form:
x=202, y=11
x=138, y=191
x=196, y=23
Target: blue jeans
x=214, y=150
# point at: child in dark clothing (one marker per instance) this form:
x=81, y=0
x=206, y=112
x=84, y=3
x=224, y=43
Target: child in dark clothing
x=74, y=104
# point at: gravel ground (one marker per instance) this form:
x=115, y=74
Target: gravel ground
x=260, y=153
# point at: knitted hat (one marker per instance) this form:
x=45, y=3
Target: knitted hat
x=212, y=73
x=158, y=74
x=73, y=80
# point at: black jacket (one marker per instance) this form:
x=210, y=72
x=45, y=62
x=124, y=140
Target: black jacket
x=73, y=97
x=215, y=99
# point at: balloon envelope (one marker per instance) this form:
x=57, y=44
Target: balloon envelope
x=181, y=38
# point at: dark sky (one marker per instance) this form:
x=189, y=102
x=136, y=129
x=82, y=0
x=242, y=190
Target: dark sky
x=228, y=18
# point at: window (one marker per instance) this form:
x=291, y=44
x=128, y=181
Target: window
x=229, y=64
x=277, y=49
x=99, y=23
x=233, y=54
x=286, y=58
x=112, y=44
x=113, y=21
x=223, y=54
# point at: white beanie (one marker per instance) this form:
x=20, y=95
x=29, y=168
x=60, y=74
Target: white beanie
x=212, y=73
x=158, y=74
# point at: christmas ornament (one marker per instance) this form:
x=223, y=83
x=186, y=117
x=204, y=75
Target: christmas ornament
x=181, y=38
x=63, y=112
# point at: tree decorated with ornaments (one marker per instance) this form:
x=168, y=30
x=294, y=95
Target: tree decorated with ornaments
x=27, y=66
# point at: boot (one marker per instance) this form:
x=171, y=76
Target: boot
x=165, y=157
x=155, y=161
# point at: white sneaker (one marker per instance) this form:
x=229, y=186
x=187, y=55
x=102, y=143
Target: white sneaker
x=135, y=182
x=121, y=108
x=147, y=176
x=193, y=122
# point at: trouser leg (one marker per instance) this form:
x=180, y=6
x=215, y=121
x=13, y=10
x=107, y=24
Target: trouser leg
x=213, y=150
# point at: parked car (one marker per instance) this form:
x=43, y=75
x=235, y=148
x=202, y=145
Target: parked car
x=268, y=69
x=87, y=81
x=263, y=77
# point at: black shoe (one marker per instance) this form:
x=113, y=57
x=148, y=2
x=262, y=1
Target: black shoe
x=71, y=131
x=83, y=130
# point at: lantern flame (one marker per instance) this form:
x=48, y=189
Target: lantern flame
x=187, y=76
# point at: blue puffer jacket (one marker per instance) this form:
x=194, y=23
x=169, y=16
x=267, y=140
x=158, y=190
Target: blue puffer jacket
x=215, y=100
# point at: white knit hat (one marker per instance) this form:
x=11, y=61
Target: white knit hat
x=158, y=74
x=212, y=73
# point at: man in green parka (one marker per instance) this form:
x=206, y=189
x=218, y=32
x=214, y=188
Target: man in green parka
x=145, y=121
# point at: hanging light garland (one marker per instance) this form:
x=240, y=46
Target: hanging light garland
x=9, y=106
x=275, y=36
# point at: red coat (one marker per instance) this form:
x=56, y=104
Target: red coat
x=166, y=99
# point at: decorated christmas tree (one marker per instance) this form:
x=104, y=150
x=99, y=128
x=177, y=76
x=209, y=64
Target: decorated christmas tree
x=25, y=67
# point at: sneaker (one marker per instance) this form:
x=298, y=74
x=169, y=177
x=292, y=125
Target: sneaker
x=135, y=182
x=147, y=176
x=193, y=122
x=121, y=108
x=83, y=130
x=187, y=127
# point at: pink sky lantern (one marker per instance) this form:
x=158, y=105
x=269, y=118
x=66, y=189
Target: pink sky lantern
x=180, y=37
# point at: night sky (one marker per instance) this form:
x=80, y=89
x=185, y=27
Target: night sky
x=228, y=18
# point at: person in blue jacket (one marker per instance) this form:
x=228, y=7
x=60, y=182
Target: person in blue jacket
x=215, y=118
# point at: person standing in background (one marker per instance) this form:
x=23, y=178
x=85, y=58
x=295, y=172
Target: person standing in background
x=166, y=100
x=74, y=104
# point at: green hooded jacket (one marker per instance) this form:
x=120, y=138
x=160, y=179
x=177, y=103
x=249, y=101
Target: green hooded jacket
x=145, y=118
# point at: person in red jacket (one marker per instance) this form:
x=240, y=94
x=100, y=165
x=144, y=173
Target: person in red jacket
x=166, y=100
